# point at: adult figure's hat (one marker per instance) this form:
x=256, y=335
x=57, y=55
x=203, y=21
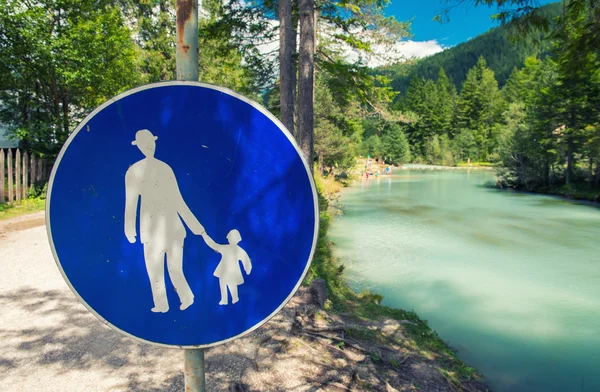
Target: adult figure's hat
x=142, y=136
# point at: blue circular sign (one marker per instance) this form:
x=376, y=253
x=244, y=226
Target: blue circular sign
x=182, y=214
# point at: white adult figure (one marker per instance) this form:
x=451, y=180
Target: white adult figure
x=161, y=231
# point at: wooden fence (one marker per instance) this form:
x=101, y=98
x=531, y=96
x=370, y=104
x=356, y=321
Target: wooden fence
x=19, y=172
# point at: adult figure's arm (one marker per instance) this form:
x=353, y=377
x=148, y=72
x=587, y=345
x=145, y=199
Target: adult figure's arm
x=132, y=195
x=184, y=211
x=211, y=244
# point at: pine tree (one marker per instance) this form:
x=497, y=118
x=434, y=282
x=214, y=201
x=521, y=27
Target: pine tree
x=479, y=107
x=578, y=87
x=446, y=103
x=394, y=145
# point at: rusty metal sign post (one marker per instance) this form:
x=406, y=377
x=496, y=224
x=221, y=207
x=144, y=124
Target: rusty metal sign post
x=187, y=69
x=187, y=40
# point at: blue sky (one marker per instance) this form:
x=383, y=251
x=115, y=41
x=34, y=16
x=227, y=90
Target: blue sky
x=465, y=22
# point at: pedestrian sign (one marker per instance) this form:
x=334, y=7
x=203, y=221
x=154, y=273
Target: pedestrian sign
x=182, y=214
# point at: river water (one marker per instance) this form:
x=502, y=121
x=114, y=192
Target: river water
x=511, y=280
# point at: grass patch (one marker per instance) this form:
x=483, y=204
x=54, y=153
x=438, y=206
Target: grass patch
x=327, y=185
x=366, y=335
x=27, y=206
x=475, y=164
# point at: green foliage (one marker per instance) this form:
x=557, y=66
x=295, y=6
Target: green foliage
x=334, y=133
x=324, y=265
x=451, y=127
x=439, y=150
x=394, y=145
x=497, y=46
x=447, y=96
x=38, y=191
x=550, y=131
x=351, y=110
x=371, y=146
x=221, y=61
x=479, y=108
x=153, y=30
x=59, y=59
x=434, y=103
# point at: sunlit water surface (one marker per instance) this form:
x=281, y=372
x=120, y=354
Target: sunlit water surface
x=511, y=280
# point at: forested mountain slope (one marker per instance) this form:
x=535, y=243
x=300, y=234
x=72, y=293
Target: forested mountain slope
x=495, y=45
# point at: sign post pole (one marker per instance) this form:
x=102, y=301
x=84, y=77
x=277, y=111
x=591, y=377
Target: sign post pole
x=194, y=370
x=187, y=40
x=187, y=69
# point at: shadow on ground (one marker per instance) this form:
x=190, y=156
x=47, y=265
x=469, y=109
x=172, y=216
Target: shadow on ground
x=52, y=330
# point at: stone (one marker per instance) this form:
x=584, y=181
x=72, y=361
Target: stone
x=318, y=289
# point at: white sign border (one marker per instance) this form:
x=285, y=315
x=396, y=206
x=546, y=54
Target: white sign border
x=223, y=90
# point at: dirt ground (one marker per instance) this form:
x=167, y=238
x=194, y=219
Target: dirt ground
x=50, y=342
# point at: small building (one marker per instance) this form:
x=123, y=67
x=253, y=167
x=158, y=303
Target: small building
x=5, y=142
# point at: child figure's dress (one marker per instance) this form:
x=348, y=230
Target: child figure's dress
x=228, y=270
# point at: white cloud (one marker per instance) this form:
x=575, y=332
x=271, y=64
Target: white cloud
x=381, y=54
x=420, y=49
x=402, y=51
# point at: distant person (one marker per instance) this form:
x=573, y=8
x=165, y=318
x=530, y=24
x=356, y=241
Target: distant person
x=228, y=271
x=152, y=183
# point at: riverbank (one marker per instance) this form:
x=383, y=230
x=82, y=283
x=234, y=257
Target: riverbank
x=377, y=169
x=580, y=192
x=395, y=357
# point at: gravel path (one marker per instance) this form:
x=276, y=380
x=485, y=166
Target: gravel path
x=50, y=342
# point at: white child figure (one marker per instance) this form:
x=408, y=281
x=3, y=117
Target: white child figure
x=228, y=271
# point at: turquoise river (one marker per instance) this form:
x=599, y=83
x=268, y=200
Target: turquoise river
x=510, y=280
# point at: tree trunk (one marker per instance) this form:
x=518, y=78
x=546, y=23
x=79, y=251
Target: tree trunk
x=164, y=22
x=25, y=109
x=521, y=175
x=569, y=168
x=294, y=40
x=306, y=80
x=163, y=31
x=591, y=170
x=597, y=182
x=316, y=27
x=320, y=160
x=287, y=82
x=570, y=141
x=65, y=110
